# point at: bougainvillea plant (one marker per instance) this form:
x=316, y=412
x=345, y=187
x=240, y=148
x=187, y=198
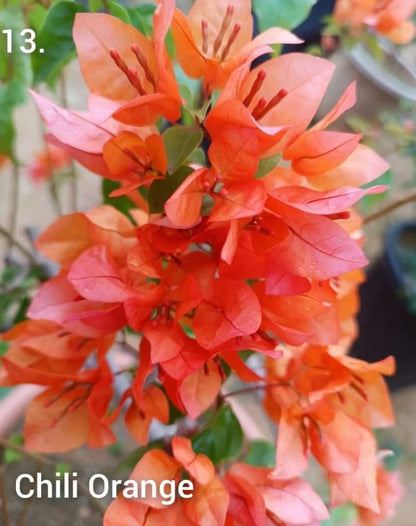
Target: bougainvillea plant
x=47, y=162
x=238, y=240
x=391, y=19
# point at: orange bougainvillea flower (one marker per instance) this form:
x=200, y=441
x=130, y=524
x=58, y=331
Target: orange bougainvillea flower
x=71, y=414
x=130, y=70
x=390, y=491
x=48, y=162
x=58, y=301
x=43, y=352
x=255, y=495
x=146, y=405
x=311, y=401
x=389, y=18
x=133, y=157
x=208, y=505
x=69, y=236
x=84, y=139
x=216, y=38
x=257, y=115
x=134, y=161
x=74, y=407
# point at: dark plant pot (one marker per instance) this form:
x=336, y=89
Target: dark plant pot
x=387, y=319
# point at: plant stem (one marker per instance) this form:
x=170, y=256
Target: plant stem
x=53, y=189
x=254, y=388
x=50, y=464
x=389, y=208
x=3, y=498
x=106, y=6
x=14, y=201
x=25, y=511
x=13, y=242
x=33, y=456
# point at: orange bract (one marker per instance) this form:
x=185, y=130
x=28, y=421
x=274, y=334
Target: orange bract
x=215, y=39
x=135, y=74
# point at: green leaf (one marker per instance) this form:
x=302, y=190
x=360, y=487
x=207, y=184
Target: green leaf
x=120, y=12
x=189, y=88
x=22, y=310
x=331, y=27
x=62, y=468
x=174, y=413
x=282, y=13
x=267, y=165
x=7, y=129
x=180, y=142
x=55, y=38
x=161, y=189
x=14, y=66
x=11, y=96
x=122, y=203
x=221, y=440
x=4, y=347
x=114, y=8
x=198, y=157
x=261, y=453
x=142, y=17
x=128, y=463
x=369, y=202
x=187, y=94
x=37, y=16
x=95, y=5
x=10, y=455
x=342, y=516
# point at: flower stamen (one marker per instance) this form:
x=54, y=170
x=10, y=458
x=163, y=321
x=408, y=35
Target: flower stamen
x=204, y=30
x=359, y=391
x=133, y=77
x=130, y=73
x=272, y=103
x=231, y=40
x=144, y=64
x=261, y=104
x=224, y=26
x=257, y=84
x=58, y=396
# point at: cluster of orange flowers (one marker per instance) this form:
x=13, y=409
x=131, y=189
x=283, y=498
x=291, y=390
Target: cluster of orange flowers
x=256, y=248
x=47, y=162
x=389, y=18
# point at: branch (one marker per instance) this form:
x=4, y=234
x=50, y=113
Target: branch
x=26, y=508
x=254, y=388
x=14, y=242
x=52, y=187
x=32, y=456
x=389, y=208
x=50, y=464
x=14, y=200
x=3, y=497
